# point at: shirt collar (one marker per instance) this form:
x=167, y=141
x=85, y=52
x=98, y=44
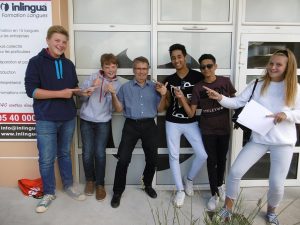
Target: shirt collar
x=136, y=83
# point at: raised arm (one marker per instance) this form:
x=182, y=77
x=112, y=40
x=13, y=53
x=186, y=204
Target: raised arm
x=165, y=96
x=213, y=94
x=115, y=101
x=183, y=101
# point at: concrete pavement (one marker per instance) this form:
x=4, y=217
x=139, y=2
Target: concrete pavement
x=135, y=209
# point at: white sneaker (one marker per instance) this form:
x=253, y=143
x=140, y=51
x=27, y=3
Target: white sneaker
x=179, y=199
x=188, y=186
x=222, y=193
x=44, y=203
x=75, y=194
x=222, y=216
x=271, y=218
x=213, y=202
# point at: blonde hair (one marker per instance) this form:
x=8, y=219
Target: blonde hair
x=290, y=77
x=57, y=29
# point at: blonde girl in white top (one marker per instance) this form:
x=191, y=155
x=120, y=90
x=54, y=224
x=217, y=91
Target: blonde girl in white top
x=278, y=91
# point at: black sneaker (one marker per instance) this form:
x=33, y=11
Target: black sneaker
x=150, y=191
x=115, y=201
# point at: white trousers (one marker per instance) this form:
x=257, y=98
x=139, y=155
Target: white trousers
x=280, y=158
x=192, y=133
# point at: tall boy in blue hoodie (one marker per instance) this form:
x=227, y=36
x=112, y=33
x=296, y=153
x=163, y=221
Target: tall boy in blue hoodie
x=51, y=81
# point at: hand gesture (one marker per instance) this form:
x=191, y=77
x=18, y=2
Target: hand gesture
x=213, y=94
x=88, y=92
x=110, y=88
x=97, y=82
x=68, y=92
x=161, y=88
x=178, y=93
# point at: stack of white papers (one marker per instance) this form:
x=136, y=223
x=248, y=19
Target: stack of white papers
x=254, y=117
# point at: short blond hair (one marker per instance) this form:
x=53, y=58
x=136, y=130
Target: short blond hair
x=57, y=29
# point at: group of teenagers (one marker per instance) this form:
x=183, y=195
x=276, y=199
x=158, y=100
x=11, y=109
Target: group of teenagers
x=52, y=82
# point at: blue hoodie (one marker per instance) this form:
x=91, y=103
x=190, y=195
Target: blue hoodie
x=45, y=72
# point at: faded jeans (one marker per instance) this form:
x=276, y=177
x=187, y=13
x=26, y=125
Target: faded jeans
x=54, y=139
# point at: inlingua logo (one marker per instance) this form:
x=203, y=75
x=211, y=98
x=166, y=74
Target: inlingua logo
x=31, y=8
x=4, y=6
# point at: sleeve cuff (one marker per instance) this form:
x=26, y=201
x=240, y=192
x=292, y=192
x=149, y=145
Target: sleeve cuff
x=33, y=93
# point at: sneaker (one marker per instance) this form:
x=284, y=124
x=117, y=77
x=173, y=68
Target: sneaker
x=271, y=218
x=73, y=193
x=44, y=203
x=224, y=215
x=89, y=188
x=179, y=199
x=213, y=202
x=222, y=193
x=100, y=193
x=188, y=186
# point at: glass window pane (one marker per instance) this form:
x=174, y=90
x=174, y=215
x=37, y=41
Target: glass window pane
x=195, y=10
x=260, y=170
x=252, y=77
x=272, y=11
x=196, y=44
x=259, y=52
x=135, y=169
x=298, y=134
x=89, y=46
x=112, y=12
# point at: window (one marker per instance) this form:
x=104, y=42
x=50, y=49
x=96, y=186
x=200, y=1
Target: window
x=112, y=12
x=275, y=11
x=197, y=11
x=89, y=46
x=218, y=44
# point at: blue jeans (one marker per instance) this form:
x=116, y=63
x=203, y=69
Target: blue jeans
x=94, y=137
x=54, y=138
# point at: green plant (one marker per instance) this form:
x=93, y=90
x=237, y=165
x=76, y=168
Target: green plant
x=239, y=214
x=173, y=215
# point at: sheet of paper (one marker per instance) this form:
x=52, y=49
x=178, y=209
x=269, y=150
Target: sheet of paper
x=254, y=117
